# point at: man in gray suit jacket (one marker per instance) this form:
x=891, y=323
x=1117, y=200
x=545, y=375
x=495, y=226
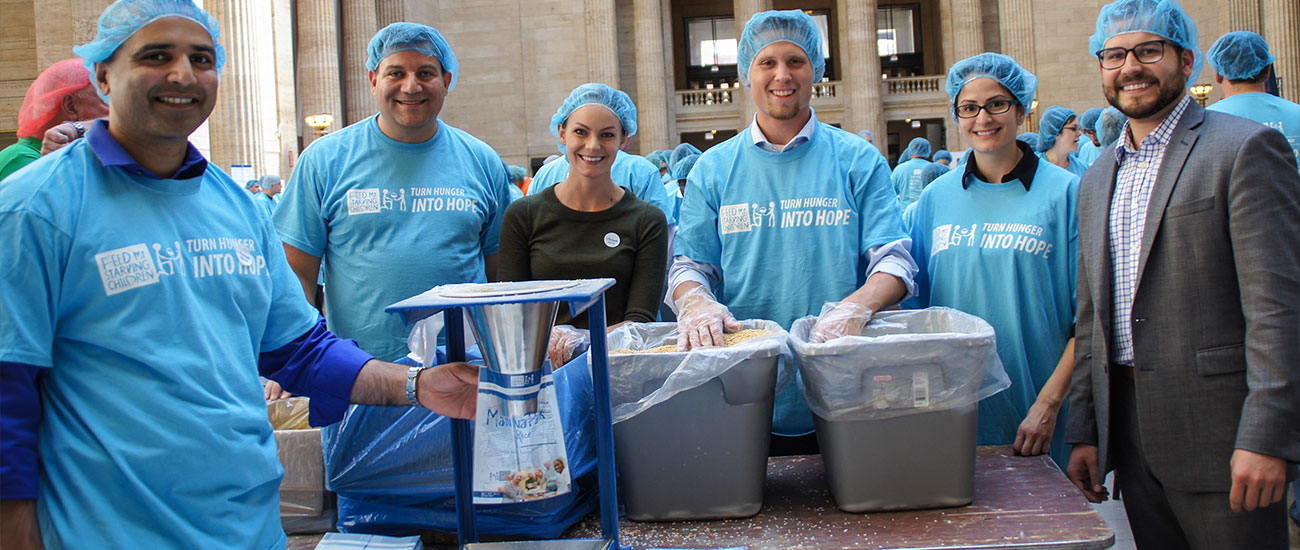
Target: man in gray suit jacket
x=1187, y=381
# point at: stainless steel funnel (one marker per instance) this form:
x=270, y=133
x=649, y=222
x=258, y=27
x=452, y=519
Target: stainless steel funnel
x=513, y=339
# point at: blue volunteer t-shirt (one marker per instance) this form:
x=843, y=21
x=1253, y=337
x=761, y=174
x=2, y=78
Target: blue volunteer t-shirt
x=631, y=171
x=1266, y=109
x=790, y=230
x=149, y=301
x=392, y=220
x=1077, y=166
x=266, y=204
x=1008, y=255
x=1087, y=153
x=906, y=178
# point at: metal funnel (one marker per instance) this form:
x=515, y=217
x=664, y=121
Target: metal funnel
x=513, y=339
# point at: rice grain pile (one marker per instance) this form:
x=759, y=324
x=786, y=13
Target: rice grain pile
x=728, y=340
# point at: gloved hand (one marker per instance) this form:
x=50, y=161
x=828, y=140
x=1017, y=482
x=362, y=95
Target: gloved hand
x=844, y=319
x=565, y=340
x=701, y=320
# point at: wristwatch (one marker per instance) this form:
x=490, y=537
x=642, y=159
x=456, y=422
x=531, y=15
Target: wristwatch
x=413, y=374
x=81, y=130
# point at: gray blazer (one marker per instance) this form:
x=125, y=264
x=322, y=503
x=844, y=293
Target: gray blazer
x=1216, y=313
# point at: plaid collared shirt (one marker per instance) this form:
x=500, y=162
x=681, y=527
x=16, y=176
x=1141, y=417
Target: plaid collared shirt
x=1137, y=173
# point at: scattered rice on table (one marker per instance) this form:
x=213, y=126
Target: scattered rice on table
x=729, y=339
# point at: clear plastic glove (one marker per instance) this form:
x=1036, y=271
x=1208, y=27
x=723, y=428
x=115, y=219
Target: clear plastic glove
x=273, y=391
x=565, y=340
x=843, y=319
x=701, y=320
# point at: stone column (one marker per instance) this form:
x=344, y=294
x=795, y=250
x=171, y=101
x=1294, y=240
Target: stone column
x=359, y=26
x=388, y=12
x=651, y=89
x=968, y=29
x=860, y=78
x=236, y=122
x=1243, y=15
x=1282, y=31
x=602, y=42
x=1017, y=30
x=60, y=25
x=318, y=66
x=744, y=10
x=286, y=99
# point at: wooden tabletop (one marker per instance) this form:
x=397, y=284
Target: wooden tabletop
x=1019, y=503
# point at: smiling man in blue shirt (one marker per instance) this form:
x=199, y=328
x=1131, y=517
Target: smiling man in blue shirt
x=143, y=296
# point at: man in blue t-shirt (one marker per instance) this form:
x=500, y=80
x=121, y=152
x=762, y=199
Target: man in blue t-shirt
x=787, y=215
x=143, y=296
x=397, y=203
x=1243, y=64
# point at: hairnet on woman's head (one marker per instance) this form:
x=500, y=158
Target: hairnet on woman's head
x=403, y=36
x=1110, y=125
x=867, y=135
x=1164, y=18
x=683, y=166
x=1088, y=120
x=1002, y=69
x=657, y=158
x=1239, y=55
x=517, y=173
x=942, y=154
x=124, y=18
x=1054, y=119
x=768, y=27
x=44, y=99
x=595, y=93
x=1030, y=138
x=918, y=147
x=680, y=152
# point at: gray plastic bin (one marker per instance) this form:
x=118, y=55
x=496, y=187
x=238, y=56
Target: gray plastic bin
x=896, y=408
x=701, y=453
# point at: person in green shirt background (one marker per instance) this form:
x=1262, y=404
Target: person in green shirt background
x=61, y=93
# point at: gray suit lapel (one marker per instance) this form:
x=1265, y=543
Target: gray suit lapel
x=1171, y=168
x=1099, y=183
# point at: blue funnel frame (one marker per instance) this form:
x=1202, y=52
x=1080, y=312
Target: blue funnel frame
x=587, y=295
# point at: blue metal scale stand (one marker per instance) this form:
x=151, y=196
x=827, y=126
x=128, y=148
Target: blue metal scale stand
x=581, y=295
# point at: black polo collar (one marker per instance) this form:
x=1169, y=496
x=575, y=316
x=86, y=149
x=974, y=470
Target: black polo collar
x=1024, y=170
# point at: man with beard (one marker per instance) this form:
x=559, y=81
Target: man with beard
x=1188, y=365
x=143, y=296
x=788, y=214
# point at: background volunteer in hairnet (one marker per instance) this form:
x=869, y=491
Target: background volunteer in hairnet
x=788, y=214
x=996, y=238
x=1058, y=139
x=61, y=92
x=631, y=171
x=1243, y=64
x=1109, y=126
x=1089, y=146
x=906, y=177
x=129, y=360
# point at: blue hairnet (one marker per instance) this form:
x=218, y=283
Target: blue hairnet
x=1110, y=125
x=867, y=134
x=932, y=171
x=680, y=152
x=1031, y=138
x=1000, y=68
x=657, y=158
x=1239, y=55
x=250, y=183
x=403, y=36
x=683, y=166
x=1054, y=119
x=919, y=147
x=1160, y=17
x=517, y=173
x=269, y=180
x=1088, y=120
x=768, y=27
x=942, y=154
x=124, y=18
x=594, y=93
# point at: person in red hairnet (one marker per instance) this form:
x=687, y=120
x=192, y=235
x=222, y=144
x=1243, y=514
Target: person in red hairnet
x=61, y=93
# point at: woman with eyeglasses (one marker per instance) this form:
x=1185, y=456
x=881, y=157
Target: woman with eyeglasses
x=1058, y=139
x=996, y=238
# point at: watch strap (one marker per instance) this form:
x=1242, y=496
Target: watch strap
x=412, y=375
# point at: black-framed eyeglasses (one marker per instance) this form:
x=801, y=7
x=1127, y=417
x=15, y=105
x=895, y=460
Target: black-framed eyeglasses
x=1146, y=53
x=995, y=107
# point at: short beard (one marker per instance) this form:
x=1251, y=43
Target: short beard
x=1170, y=92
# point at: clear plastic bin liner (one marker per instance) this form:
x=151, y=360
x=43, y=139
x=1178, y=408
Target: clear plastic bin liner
x=392, y=468
x=638, y=381
x=905, y=362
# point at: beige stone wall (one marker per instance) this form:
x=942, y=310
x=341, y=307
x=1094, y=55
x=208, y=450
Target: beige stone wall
x=35, y=34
